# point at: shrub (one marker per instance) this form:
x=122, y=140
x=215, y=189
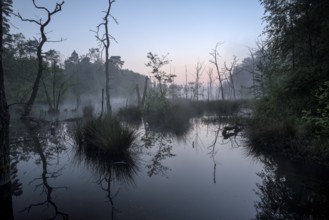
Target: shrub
x=317, y=117
x=155, y=107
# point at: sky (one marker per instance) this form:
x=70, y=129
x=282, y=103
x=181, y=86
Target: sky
x=187, y=30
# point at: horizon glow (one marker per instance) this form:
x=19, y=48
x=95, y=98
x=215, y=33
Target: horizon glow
x=187, y=30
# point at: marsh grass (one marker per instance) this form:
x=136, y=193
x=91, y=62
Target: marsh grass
x=176, y=115
x=121, y=166
x=217, y=107
x=104, y=136
x=131, y=115
x=162, y=114
x=105, y=145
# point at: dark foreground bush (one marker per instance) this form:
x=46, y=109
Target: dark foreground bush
x=285, y=138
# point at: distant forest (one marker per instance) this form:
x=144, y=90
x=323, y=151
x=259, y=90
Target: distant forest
x=73, y=78
x=83, y=75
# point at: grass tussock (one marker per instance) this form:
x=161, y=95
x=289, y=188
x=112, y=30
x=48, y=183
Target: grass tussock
x=104, y=136
x=105, y=146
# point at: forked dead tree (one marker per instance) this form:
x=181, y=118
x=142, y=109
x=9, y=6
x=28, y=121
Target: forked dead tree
x=229, y=69
x=199, y=68
x=42, y=25
x=210, y=83
x=105, y=41
x=214, y=61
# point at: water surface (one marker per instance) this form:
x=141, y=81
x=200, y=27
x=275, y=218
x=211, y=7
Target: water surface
x=199, y=175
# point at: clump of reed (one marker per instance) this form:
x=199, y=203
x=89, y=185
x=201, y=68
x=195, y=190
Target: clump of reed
x=103, y=136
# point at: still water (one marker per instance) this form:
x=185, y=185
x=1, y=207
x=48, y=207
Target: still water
x=197, y=175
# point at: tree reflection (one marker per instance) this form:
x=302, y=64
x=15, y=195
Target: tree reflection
x=292, y=191
x=45, y=153
x=228, y=135
x=110, y=167
x=213, y=151
x=162, y=142
x=164, y=148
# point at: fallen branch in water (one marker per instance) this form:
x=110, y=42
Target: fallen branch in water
x=229, y=131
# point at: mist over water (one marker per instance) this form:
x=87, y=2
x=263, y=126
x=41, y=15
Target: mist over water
x=201, y=174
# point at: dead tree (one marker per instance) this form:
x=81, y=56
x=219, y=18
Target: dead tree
x=229, y=70
x=105, y=41
x=139, y=99
x=186, y=84
x=214, y=61
x=198, y=74
x=210, y=83
x=145, y=90
x=42, y=25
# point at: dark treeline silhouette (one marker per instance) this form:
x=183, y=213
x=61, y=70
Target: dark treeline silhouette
x=5, y=182
x=63, y=80
x=292, y=80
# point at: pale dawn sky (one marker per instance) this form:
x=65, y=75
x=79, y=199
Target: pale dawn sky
x=188, y=30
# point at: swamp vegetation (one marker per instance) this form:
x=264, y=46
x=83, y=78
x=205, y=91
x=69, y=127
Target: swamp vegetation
x=253, y=145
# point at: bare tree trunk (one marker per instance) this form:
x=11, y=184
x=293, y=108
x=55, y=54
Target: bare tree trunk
x=145, y=90
x=102, y=110
x=54, y=86
x=107, y=83
x=198, y=73
x=61, y=91
x=42, y=26
x=215, y=54
x=50, y=107
x=106, y=44
x=104, y=40
x=230, y=69
x=211, y=80
x=138, y=95
x=186, y=85
x=220, y=81
x=29, y=105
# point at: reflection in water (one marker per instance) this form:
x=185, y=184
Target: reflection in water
x=119, y=167
x=229, y=135
x=193, y=191
x=292, y=191
x=45, y=154
x=6, y=205
x=162, y=142
x=213, y=151
x=16, y=185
